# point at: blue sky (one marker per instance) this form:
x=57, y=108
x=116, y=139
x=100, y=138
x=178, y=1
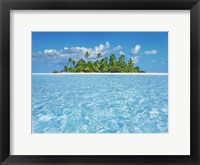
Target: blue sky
x=51, y=50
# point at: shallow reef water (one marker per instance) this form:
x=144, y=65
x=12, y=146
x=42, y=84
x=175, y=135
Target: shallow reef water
x=67, y=103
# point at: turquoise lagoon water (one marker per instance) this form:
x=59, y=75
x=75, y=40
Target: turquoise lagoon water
x=67, y=103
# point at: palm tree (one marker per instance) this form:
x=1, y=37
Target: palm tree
x=97, y=65
x=121, y=61
x=80, y=65
x=130, y=66
x=90, y=66
x=73, y=62
x=106, y=60
x=121, y=58
x=104, y=65
x=81, y=62
x=99, y=55
x=112, y=60
x=70, y=60
x=130, y=63
x=137, y=69
x=65, y=68
x=87, y=55
x=55, y=71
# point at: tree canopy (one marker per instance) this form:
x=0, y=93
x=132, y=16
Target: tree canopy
x=101, y=65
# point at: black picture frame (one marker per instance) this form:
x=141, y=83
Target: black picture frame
x=7, y=5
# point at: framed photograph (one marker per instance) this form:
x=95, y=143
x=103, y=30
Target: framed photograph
x=101, y=82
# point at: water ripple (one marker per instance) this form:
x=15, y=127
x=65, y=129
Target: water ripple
x=99, y=104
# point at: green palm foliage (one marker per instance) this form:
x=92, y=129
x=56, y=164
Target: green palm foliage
x=131, y=66
x=73, y=63
x=65, y=69
x=99, y=55
x=55, y=71
x=122, y=63
x=70, y=60
x=137, y=69
x=112, y=60
x=87, y=55
x=107, y=64
x=81, y=62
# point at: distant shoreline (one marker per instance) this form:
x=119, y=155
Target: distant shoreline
x=101, y=74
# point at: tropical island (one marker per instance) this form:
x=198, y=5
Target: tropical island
x=101, y=65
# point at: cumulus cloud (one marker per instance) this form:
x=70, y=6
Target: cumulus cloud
x=117, y=48
x=51, y=51
x=136, y=49
x=60, y=56
x=121, y=52
x=107, y=44
x=99, y=48
x=151, y=52
x=135, y=59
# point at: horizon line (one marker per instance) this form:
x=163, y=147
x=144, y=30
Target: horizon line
x=149, y=73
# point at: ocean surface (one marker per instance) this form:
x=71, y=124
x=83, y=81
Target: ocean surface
x=75, y=103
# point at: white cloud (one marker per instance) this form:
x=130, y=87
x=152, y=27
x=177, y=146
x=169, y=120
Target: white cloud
x=136, y=49
x=100, y=48
x=107, y=44
x=51, y=52
x=53, y=56
x=121, y=52
x=37, y=53
x=80, y=49
x=135, y=59
x=103, y=49
x=117, y=48
x=149, y=52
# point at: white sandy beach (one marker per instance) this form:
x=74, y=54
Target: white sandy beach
x=100, y=74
